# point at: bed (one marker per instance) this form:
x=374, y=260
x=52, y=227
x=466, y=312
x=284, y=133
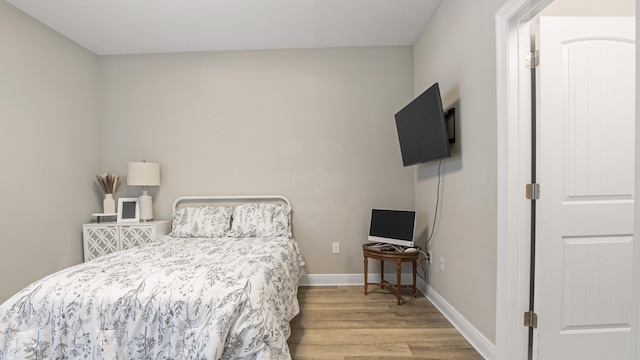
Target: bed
x=222, y=285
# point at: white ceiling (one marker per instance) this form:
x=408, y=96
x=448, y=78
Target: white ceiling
x=113, y=27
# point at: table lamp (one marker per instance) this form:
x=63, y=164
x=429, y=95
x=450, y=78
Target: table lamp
x=144, y=174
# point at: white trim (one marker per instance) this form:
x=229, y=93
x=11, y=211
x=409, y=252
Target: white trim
x=514, y=164
x=479, y=342
x=350, y=279
x=634, y=350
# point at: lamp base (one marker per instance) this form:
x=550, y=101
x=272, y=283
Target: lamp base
x=146, y=206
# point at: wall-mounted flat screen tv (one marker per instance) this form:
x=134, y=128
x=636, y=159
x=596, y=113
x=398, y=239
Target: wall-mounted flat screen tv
x=422, y=131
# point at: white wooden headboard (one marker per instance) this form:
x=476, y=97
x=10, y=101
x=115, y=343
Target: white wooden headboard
x=185, y=200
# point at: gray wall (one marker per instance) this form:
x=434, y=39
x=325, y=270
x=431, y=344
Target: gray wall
x=49, y=150
x=457, y=50
x=316, y=125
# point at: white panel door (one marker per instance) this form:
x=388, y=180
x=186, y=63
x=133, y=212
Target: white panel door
x=585, y=86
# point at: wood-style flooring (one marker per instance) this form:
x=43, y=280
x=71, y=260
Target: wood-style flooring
x=341, y=323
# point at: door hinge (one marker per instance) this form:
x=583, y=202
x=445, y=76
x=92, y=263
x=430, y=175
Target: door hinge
x=532, y=191
x=532, y=60
x=531, y=319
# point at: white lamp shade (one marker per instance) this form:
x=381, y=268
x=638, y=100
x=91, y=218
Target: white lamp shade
x=143, y=174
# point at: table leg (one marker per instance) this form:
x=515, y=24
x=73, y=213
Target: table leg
x=366, y=270
x=415, y=290
x=381, y=274
x=399, y=283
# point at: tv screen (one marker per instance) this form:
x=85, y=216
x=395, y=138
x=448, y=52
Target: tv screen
x=392, y=226
x=422, y=131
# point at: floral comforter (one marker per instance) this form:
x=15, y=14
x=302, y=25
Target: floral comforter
x=174, y=299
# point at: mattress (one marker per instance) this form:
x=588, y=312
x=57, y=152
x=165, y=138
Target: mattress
x=178, y=298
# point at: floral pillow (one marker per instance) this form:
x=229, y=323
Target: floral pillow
x=205, y=221
x=261, y=220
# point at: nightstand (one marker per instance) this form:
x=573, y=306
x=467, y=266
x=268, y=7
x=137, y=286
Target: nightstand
x=107, y=237
x=398, y=257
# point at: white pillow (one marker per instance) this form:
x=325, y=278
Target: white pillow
x=205, y=221
x=261, y=220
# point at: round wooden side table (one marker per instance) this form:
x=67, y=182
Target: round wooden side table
x=370, y=251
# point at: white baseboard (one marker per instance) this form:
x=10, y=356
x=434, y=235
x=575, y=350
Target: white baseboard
x=350, y=279
x=479, y=342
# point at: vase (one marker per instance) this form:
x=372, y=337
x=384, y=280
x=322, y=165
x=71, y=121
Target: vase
x=108, y=204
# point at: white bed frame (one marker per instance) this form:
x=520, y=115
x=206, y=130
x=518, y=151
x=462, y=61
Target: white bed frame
x=184, y=200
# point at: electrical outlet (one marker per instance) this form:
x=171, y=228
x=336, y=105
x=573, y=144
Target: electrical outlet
x=335, y=247
x=441, y=264
x=429, y=257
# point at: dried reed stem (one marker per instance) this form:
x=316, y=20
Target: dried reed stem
x=107, y=182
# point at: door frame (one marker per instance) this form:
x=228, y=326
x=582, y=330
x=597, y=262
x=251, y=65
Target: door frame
x=513, y=85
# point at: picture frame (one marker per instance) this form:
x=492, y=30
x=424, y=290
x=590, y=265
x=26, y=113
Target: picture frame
x=128, y=210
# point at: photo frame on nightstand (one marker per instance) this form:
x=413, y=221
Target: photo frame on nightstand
x=128, y=210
